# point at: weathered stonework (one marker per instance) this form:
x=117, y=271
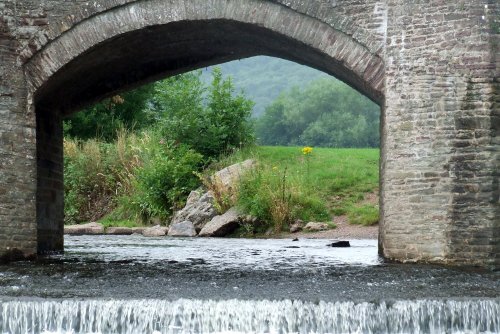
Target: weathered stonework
x=431, y=65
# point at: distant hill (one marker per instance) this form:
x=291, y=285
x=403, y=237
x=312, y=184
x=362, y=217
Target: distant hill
x=264, y=78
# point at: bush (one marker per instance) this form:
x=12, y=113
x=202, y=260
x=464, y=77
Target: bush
x=136, y=177
x=212, y=121
x=149, y=175
x=165, y=178
x=90, y=182
x=278, y=199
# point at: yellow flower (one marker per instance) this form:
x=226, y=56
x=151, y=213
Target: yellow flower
x=275, y=168
x=307, y=150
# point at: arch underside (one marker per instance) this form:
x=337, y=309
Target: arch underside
x=101, y=55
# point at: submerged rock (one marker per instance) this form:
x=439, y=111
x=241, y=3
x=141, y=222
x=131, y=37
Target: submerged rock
x=89, y=228
x=341, y=243
x=182, y=229
x=155, y=231
x=222, y=225
x=314, y=227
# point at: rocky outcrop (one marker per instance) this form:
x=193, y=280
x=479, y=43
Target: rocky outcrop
x=199, y=210
x=314, y=227
x=155, y=231
x=90, y=228
x=222, y=225
x=227, y=179
x=182, y=229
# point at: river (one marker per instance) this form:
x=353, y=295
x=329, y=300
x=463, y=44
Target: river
x=133, y=284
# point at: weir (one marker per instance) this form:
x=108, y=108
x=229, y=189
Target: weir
x=239, y=316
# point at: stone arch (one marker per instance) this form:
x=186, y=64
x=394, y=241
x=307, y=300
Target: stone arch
x=125, y=44
x=155, y=40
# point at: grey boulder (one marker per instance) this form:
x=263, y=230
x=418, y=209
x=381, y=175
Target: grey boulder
x=314, y=227
x=155, y=231
x=182, y=229
x=227, y=179
x=119, y=231
x=89, y=228
x=199, y=210
x=221, y=225
x=297, y=226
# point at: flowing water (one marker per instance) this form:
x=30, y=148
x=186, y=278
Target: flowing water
x=132, y=284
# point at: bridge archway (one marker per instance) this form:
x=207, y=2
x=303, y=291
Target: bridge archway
x=431, y=68
x=144, y=41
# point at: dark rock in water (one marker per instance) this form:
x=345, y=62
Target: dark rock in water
x=340, y=244
x=296, y=239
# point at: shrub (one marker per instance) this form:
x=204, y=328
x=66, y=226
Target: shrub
x=136, y=177
x=277, y=198
x=211, y=120
x=89, y=181
x=164, y=179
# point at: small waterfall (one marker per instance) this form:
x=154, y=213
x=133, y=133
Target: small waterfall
x=199, y=316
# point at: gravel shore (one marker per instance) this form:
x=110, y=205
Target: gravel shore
x=344, y=230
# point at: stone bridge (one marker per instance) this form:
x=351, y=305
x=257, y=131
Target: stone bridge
x=431, y=65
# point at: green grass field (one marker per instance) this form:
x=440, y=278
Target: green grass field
x=335, y=179
x=289, y=185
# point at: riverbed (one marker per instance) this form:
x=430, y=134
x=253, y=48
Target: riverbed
x=242, y=285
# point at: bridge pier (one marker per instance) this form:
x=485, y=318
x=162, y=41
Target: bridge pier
x=440, y=158
x=18, y=229
x=50, y=184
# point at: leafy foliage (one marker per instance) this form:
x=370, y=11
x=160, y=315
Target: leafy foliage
x=325, y=114
x=212, y=120
x=264, y=78
x=104, y=119
x=147, y=175
x=164, y=179
x=94, y=174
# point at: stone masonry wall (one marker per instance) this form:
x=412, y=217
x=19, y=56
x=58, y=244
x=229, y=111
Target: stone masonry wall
x=50, y=186
x=17, y=147
x=440, y=157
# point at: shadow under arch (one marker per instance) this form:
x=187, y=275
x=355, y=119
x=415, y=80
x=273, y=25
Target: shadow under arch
x=140, y=42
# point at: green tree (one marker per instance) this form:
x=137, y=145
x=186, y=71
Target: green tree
x=211, y=120
x=102, y=120
x=326, y=113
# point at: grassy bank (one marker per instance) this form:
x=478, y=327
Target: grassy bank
x=292, y=184
x=142, y=180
